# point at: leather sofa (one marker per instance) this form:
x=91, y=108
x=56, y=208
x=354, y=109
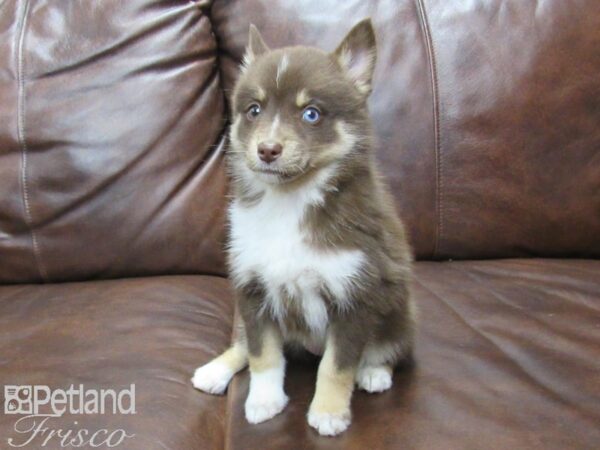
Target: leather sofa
x=113, y=120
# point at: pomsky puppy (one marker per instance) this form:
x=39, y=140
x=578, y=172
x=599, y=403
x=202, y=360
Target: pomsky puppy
x=317, y=253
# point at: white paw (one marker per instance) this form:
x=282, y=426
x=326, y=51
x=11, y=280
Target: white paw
x=261, y=406
x=374, y=379
x=328, y=424
x=212, y=378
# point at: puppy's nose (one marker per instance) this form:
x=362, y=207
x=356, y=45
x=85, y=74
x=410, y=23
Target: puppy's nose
x=269, y=151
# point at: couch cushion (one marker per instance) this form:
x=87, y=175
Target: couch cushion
x=507, y=357
x=111, y=119
x=151, y=332
x=485, y=112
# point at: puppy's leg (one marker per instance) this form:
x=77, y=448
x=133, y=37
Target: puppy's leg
x=392, y=342
x=329, y=411
x=266, y=397
x=214, y=377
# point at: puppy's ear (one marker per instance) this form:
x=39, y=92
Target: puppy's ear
x=256, y=47
x=357, y=54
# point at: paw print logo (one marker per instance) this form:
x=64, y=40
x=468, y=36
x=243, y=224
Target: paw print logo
x=18, y=399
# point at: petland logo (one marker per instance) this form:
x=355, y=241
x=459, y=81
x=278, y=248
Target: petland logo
x=39, y=404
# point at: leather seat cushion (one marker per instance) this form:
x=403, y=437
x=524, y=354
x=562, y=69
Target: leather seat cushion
x=508, y=356
x=108, y=334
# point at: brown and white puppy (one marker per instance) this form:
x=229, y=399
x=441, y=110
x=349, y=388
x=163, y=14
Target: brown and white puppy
x=317, y=254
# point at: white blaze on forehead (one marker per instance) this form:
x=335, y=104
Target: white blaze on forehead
x=281, y=68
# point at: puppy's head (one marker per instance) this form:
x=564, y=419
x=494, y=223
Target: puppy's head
x=299, y=109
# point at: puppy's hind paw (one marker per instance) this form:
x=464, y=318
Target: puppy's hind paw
x=329, y=424
x=374, y=378
x=212, y=378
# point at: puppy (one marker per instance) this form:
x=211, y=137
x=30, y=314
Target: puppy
x=317, y=254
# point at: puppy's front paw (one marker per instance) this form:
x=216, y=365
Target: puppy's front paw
x=261, y=406
x=374, y=379
x=212, y=378
x=329, y=424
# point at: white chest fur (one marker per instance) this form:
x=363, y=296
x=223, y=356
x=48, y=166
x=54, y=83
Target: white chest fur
x=267, y=240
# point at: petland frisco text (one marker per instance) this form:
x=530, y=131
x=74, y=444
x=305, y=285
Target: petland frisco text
x=39, y=406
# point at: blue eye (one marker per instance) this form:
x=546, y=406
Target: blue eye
x=311, y=115
x=253, y=111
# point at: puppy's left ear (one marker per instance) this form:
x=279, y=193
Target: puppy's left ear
x=256, y=46
x=357, y=54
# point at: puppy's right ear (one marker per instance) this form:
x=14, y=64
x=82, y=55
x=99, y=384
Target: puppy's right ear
x=256, y=47
x=356, y=55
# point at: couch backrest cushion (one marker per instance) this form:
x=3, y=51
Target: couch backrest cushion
x=111, y=121
x=112, y=117
x=486, y=112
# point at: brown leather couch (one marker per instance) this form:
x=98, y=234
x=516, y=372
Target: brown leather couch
x=113, y=117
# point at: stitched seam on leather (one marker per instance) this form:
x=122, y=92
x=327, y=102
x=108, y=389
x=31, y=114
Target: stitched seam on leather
x=218, y=49
x=224, y=135
x=429, y=45
x=23, y=143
